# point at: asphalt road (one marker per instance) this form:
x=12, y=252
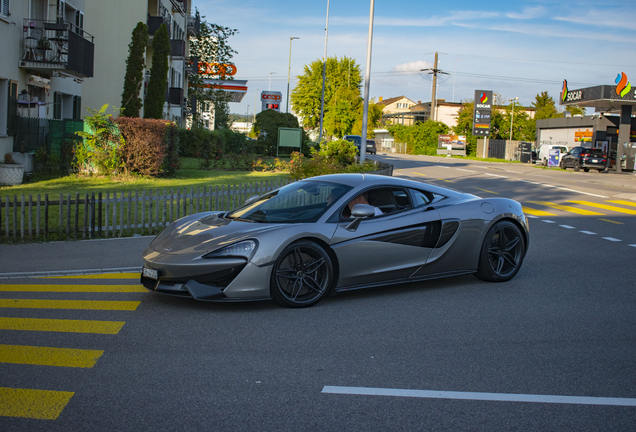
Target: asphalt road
x=564, y=326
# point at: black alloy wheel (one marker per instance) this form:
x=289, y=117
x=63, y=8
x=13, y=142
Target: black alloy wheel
x=301, y=275
x=502, y=253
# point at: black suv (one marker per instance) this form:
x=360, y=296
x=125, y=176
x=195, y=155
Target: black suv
x=583, y=157
x=357, y=139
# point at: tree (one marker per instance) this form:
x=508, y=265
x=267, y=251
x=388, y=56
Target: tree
x=343, y=81
x=341, y=114
x=130, y=101
x=465, y=127
x=421, y=138
x=211, y=46
x=374, y=120
x=574, y=110
x=156, y=94
x=545, y=107
x=266, y=129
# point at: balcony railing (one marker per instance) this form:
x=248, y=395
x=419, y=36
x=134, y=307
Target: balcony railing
x=155, y=21
x=194, y=25
x=57, y=45
x=174, y=96
x=177, y=48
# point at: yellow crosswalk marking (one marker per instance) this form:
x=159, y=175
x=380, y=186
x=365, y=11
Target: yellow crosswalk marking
x=49, y=356
x=534, y=212
x=98, y=276
x=29, y=403
x=418, y=173
x=59, y=325
x=567, y=208
x=70, y=304
x=73, y=288
x=605, y=207
x=627, y=203
x=485, y=190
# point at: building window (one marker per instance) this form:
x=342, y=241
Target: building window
x=4, y=8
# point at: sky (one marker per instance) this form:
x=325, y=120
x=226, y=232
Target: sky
x=516, y=49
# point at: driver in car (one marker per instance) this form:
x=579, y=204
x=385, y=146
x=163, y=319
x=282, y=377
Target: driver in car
x=362, y=199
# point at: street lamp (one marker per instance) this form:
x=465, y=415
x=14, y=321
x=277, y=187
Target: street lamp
x=270, y=81
x=289, y=72
x=512, y=115
x=324, y=72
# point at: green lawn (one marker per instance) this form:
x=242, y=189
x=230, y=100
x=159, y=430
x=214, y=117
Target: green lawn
x=188, y=176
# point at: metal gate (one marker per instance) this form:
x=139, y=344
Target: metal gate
x=497, y=149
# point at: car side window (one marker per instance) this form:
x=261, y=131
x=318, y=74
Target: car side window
x=422, y=198
x=388, y=200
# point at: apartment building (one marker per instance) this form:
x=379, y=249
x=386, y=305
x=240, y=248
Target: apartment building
x=112, y=22
x=47, y=54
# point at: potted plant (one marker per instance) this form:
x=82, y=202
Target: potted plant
x=11, y=173
x=44, y=44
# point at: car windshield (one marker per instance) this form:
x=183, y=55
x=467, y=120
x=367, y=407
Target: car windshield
x=299, y=202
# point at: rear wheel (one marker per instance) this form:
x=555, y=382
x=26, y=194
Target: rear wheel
x=501, y=253
x=302, y=275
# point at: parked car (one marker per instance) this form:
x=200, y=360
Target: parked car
x=544, y=152
x=583, y=157
x=357, y=139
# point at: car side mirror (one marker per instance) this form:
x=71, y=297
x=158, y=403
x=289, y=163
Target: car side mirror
x=359, y=212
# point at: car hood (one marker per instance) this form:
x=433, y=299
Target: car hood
x=201, y=234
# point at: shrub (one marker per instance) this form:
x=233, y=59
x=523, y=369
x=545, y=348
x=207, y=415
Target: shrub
x=342, y=152
x=100, y=149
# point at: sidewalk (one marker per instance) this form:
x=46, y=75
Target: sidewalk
x=86, y=256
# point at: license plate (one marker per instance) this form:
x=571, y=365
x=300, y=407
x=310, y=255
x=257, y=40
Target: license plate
x=595, y=161
x=150, y=273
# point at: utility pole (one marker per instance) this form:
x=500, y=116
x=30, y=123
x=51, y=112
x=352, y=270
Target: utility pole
x=324, y=72
x=434, y=71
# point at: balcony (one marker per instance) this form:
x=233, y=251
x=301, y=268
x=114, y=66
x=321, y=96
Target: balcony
x=180, y=6
x=57, y=46
x=177, y=48
x=192, y=66
x=194, y=25
x=174, y=96
x=155, y=21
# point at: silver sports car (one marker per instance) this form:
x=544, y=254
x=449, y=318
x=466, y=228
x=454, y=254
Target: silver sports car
x=336, y=233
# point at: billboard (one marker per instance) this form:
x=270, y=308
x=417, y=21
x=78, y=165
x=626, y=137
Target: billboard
x=271, y=100
x=482, y=112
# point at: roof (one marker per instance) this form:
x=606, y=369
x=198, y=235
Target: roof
x=389, y=101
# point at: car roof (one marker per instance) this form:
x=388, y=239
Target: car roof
x=356, y=180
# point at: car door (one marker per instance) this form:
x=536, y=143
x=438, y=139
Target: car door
x=385, y=248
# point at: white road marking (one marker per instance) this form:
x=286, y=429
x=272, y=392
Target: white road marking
x=547, y=221
x=532, y=217
x=634, y=245
x=459, y=169
x=498, y=397
x=567, y=226
x=584, y=193
x=588, y=232
x=495, y=175
x=612, y=239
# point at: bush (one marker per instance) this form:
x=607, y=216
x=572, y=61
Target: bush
x=420, y=138
x=100, y=149
x=301, y=167
x=342, y=152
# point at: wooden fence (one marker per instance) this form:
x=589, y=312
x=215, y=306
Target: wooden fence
x=103, y=215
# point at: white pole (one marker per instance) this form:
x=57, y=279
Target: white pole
x=289, y=72
x=367, y=77
x=324, y=73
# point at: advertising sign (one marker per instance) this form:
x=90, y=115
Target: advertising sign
x=271, y=100
x=583, y=136
x=455, y=144
x=554, y=157
x=482, y=112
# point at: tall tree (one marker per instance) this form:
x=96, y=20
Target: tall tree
x=545, y=106
x=156, y=94
x=130, y=101
x=343, y=82
x=211, y=46
x=374, y=120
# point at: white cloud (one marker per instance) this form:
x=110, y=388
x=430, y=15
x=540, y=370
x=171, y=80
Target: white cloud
x=412, y=66
x=611, y=18
x=528, y=13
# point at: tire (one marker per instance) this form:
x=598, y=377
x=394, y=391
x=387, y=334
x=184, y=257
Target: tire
x=562, y=164
x=601, y=170
x=502, y=253
x=302, y=275
x=586, y=169
x=577, y=165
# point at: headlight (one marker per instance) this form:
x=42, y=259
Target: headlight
x=243, y=249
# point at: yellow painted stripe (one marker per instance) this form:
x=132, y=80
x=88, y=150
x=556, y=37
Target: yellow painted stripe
x=605, y=207
x=99, y=276
x=70, y=304
x=534, y=212
x=49, y=356
x=37, y=404
x=58, y=325
x=627, y=203
x=73, y=288
x=449, y=181
x=485, y=190
x=611, y=221
x=567, y=208
x=418, y=173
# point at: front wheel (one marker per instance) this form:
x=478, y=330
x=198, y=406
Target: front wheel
x=562, y=164
x=502, y=253
x=577, y=166
x=301, y=275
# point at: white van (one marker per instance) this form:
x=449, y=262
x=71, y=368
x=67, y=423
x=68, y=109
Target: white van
x=544, y=152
